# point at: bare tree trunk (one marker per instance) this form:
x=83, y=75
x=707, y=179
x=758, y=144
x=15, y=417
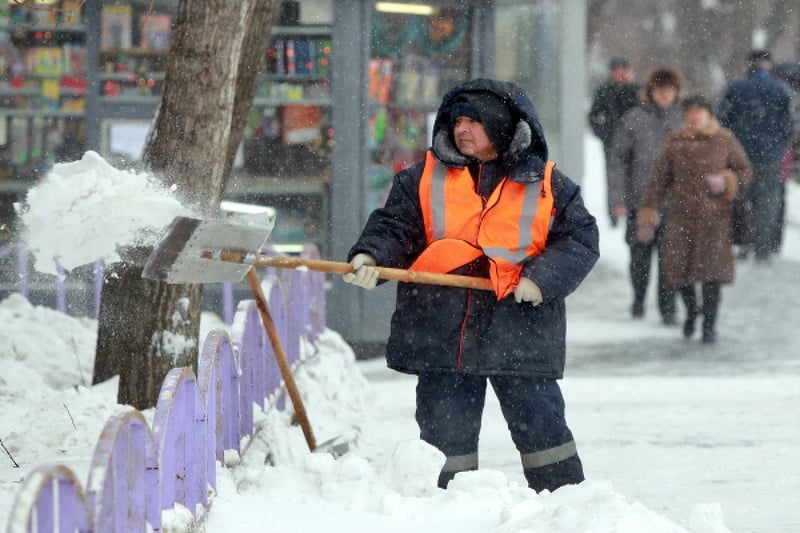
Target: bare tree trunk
x=216, y=55
x=594, y=19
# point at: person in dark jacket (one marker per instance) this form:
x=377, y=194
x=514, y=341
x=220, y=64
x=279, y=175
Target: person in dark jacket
x=788, y=72
x=611, y=101
x=486, y=203
x=639, y=138
x=759, y=110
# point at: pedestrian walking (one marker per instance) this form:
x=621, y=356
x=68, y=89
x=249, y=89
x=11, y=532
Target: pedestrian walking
x=788, y=72
x=485, y=202
x=636, y=145
x=701, y=168
x=619, y=94
x=759, y=110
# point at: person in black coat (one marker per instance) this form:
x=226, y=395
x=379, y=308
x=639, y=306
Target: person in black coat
x=455, y=339
x=618, y=95
x=759, y=109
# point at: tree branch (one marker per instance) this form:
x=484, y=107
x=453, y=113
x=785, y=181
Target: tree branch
x=9, y=454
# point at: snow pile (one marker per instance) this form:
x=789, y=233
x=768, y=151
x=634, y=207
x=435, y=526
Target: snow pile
x=48, y=411
x=65, y=360
x=87, y=210
x=401, y=495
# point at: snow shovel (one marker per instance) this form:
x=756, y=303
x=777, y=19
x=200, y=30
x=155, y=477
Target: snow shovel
x=245, y=231
x=217, y=250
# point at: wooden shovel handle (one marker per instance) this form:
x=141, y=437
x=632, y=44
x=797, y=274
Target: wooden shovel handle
x=280, y=358
x=397, y=274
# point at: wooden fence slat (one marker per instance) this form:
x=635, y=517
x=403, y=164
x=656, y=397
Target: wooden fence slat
x=124, y=466
x=278, y=313
x=249, y=344
x=44, y=509
x=216, y=359
x=170, y=418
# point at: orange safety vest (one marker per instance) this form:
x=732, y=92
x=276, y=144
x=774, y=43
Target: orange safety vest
x=512, y=226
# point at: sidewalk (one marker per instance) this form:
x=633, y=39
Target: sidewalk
x=671, y=421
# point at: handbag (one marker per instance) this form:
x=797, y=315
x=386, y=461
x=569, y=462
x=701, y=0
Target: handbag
x=744, y=232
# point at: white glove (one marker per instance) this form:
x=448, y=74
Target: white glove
x=528, y=291
x=363, y=274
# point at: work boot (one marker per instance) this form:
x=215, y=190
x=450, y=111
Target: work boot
x=555, y=475
x=445, y=477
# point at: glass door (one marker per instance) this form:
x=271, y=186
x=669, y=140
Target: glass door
x=418, y=52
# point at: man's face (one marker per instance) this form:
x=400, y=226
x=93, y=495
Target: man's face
x=622, y=75
x=471, y=139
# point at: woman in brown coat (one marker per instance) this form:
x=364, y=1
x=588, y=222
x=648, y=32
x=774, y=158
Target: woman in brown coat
x=698, y=173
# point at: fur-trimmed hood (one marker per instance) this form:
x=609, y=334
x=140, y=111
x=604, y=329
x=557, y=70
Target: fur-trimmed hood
x=525, y=157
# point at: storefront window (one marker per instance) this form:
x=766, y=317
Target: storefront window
x=415, y=57
x=527, y=52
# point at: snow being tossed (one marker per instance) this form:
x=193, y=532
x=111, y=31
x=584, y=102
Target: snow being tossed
x=87, y=210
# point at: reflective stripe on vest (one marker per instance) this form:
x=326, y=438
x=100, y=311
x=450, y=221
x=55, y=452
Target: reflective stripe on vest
x=459, y=229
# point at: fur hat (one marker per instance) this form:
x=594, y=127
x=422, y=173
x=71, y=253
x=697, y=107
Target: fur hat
x=662, y=77
x=491, y=111
x=697, y=100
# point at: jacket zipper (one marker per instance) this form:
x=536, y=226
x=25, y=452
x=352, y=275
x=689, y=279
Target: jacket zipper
x=460, y=357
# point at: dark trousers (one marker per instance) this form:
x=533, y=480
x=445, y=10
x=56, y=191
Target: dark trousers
x=640, y=266
x=711, y=293
x=765, y=194
x=449, y=412
x=607, y=151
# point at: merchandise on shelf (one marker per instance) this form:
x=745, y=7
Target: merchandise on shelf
x=289, y=131
x=43, y=85
x=304, y=56
x=132, y=72
x=116, y=27
x=155, y=31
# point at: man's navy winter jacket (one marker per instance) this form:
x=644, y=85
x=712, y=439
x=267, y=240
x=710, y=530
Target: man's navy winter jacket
x=464, y=330
x=758, y=109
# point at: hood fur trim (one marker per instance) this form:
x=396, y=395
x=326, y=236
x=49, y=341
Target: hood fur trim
x=447, y=152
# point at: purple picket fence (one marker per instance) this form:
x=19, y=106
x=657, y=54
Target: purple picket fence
x=137, y=472
x=60, y=282
x=219, y=384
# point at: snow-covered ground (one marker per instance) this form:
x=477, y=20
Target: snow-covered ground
x=674, y=435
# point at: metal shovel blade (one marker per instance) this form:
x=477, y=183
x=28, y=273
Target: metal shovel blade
x=182, y=254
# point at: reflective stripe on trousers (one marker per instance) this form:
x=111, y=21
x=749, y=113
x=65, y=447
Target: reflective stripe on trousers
x=549, y=456
x=460, y=463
